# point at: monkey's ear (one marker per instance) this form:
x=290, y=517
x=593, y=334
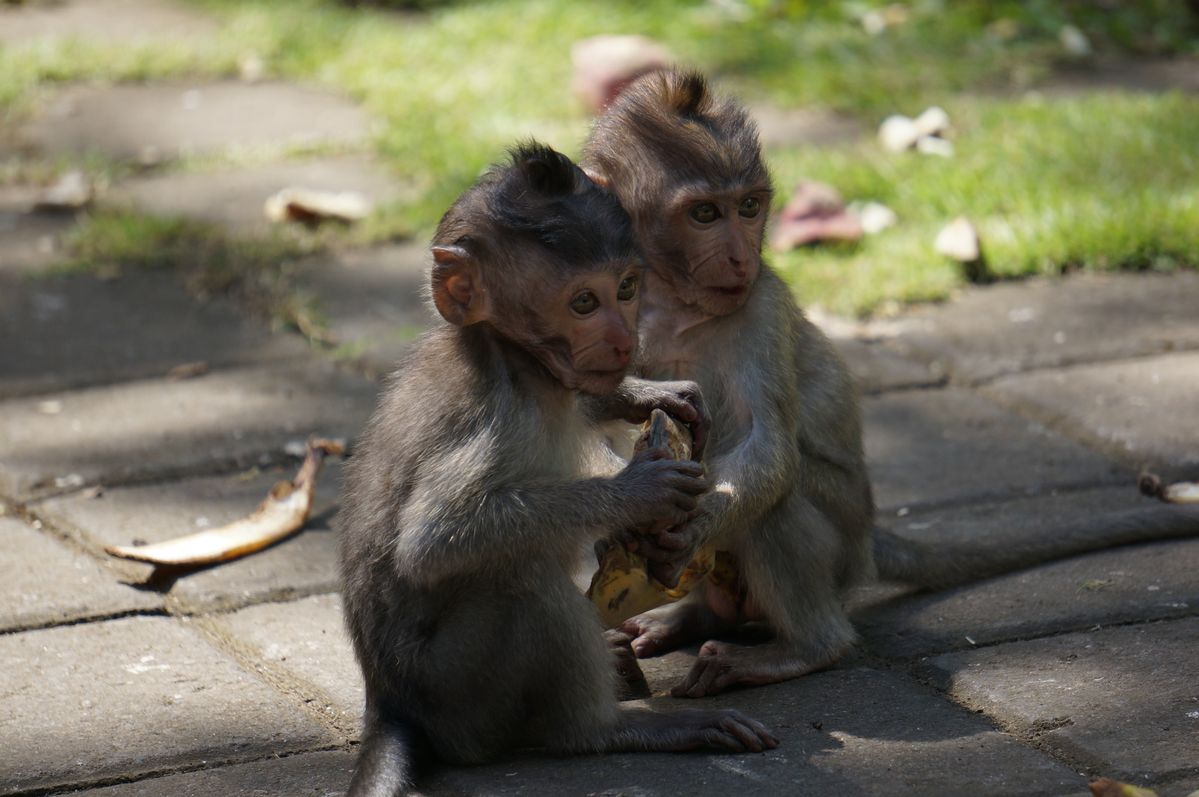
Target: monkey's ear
x=599, y=179
x=457, y=286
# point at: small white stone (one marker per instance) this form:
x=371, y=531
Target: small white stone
x=1074, y=40
x=49, y=407
x=874, y=216
x=959, y=240
x=934, y=121
x=898, y=133
x=932, y=145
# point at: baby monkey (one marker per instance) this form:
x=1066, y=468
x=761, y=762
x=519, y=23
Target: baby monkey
x=483, y=472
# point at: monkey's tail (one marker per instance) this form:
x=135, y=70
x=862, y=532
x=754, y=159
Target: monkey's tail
x=947, y=564
x=386, y=759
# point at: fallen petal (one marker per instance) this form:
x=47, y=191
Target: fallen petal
x=898, y=133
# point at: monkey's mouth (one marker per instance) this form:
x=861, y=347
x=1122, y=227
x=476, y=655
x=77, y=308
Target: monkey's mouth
x=733, y=291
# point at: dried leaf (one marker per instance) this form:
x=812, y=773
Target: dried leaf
x=1106, y=787
x=1151, y=485
x=959, y=240
x=281, y=514
x=310, y=206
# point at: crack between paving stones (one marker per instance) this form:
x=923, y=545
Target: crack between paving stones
x=72, y=787
x=85, y=619
x=927, y=357
x=1069, y=428
x=308, y=696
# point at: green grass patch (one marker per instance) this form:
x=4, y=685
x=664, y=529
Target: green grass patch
x=256, y=271
x=1104, y=181
x=1101, y=182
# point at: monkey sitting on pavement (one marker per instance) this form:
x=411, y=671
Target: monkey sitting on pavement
x=476, y=483
x=791, y=502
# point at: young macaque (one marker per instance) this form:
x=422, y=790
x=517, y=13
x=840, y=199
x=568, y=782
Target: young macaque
x=480, y=477
x=791, y=506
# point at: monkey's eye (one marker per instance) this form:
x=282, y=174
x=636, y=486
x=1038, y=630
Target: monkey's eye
x=585, y=303
x=705, y=213
x=627, y=289
x=749, y=207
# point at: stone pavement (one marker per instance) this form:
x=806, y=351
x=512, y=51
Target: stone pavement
x=989, y=418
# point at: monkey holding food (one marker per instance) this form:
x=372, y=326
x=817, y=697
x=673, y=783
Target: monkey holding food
x=790, y=502
x=481, y=474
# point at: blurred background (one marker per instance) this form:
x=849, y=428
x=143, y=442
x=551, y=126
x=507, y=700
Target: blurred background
x=1069, y=137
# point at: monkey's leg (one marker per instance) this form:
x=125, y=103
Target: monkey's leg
x=680, y=731
x=791, y=564
x=671, y=626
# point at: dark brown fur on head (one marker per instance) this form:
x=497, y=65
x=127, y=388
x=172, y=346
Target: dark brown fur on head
x=539, y=198
x=668, y=129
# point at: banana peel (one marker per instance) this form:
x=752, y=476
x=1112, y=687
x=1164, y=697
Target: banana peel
x=281, y=514
x=1106, y=787
x=622, y=585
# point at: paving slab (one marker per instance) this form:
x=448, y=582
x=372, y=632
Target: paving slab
x=307, y=638
x=300, y=565
x=164, y=121
x=804, y=126
x=1122, y=702
x=103, y=21
x=86, y=702
x=1143, y=411
x=845, y=732
x=234, y=197
x=931, y=446
x=304, y=775
x=372, y=300
x=1125, y=584
x=878, y=369
x=71, y=331
x=44, y=582
x=29, y=241
x=228, y=418
x=989, y=331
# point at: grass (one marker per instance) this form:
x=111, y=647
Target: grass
x=453, y=86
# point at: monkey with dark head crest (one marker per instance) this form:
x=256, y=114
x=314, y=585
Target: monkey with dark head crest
x=791, y=503
x=481, y=475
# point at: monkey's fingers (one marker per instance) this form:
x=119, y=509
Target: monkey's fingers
x=751, y=733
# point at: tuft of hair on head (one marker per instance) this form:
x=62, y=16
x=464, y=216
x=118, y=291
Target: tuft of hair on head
x=546, y=170
x=686, y=93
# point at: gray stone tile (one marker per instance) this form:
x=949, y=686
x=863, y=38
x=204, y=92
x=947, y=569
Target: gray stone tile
x=308, y=638
x=107, y=21
x=167, y=120
x=1143, y=411
x=804, y=126
x=1120, y=585
x=303, y=564
x=373, y=301
x=234, y=197
x=1037, y=323
x=29, y=240
x=160, y=427
x=73, y=331
x=846, y=732
x=876, y=368
x=928, y=446
x=1121, y=701
x=43, y=582
x=307, y=775
x=86, y=702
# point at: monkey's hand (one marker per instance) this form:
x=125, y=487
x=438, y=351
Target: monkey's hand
x=681, y=400
x=656, y=491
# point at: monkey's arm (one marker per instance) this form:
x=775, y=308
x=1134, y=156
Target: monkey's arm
x=636, y=398
x=458, y=523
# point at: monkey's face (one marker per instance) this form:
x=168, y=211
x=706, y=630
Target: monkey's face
x=584, y=330
x=712, y=245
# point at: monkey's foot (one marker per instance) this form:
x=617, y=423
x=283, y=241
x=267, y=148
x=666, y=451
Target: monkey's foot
x=721, y=665
x=727, y=730
x=671, y=626
x=632, y=684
